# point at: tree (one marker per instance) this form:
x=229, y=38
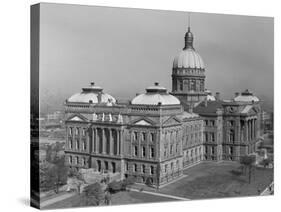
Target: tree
x=93, y=195
x=248, y=163
x=128, y=182
x=77, y=177
x=55, y=175
x=265, y=162
x=148, y=182
x=115, y=186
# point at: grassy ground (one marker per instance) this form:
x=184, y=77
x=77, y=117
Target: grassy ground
x=205, y=180
x=120, y=198
x=217, y=180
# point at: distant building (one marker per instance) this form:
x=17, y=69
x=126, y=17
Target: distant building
x=157, y=134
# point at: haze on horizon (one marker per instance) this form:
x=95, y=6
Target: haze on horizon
x=125, y=50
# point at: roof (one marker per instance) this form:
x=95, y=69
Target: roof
x=210, y=108
x=155, y=95
x=188, y=58
x=187, y=115
x=91, y=95
x=246, y=96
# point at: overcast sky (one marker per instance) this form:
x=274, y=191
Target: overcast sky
x=126, y=50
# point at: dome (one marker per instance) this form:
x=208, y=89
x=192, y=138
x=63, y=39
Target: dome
x=210, y=97
x=188, y=58
x=155, y=95
x=92, y=94
x=246, y=96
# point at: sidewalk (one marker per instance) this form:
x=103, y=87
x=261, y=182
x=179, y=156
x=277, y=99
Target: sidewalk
x=56, y=199
x=269, y=190
x=159, y=194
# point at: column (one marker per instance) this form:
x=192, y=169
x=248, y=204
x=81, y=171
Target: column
x=118, y=144
x=246, y=130
x=111, y=142
x=96, y=141
x=103, y=142
x=253, y=129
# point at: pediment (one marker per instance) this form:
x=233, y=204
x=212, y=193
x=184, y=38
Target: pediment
x=143, y=121
x=76, y=117
x=172, y=121
x=250, y=110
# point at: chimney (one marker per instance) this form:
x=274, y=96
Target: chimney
x=218, y=96
x=236, y=94
x=99, y=97
x=156, y=83
x=92, y=84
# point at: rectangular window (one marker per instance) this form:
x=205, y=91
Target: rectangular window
x=151, y=170
x=231, y=150
x=84, y=145
x=77, y=144
x=166, y=168
x=135, y=168
x=143, y=151
x=206, y=122
x=152, y=136
x=135, y=136
x=143, y=136
x=143, y=169
x=171, y=149
x=212, y=137
x=151, y=152
x=70, y=143
x=70, y=159
x=83, y=132
x=135, y=151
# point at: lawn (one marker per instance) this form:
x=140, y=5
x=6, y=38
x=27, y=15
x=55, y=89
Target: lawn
x=217, y=180
x=120, y=198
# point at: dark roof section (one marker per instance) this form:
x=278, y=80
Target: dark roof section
x=210, y=108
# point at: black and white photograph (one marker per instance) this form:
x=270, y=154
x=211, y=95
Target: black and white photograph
x=133, y=106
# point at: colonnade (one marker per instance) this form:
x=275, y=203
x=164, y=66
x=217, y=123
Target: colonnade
x=250, y=129
x=106, y=141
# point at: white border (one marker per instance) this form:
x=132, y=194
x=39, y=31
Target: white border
x=14, y=64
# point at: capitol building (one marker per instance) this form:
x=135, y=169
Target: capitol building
x=159, y=133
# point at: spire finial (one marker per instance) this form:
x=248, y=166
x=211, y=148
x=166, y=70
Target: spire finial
x=188, y=36
x=188, y=21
